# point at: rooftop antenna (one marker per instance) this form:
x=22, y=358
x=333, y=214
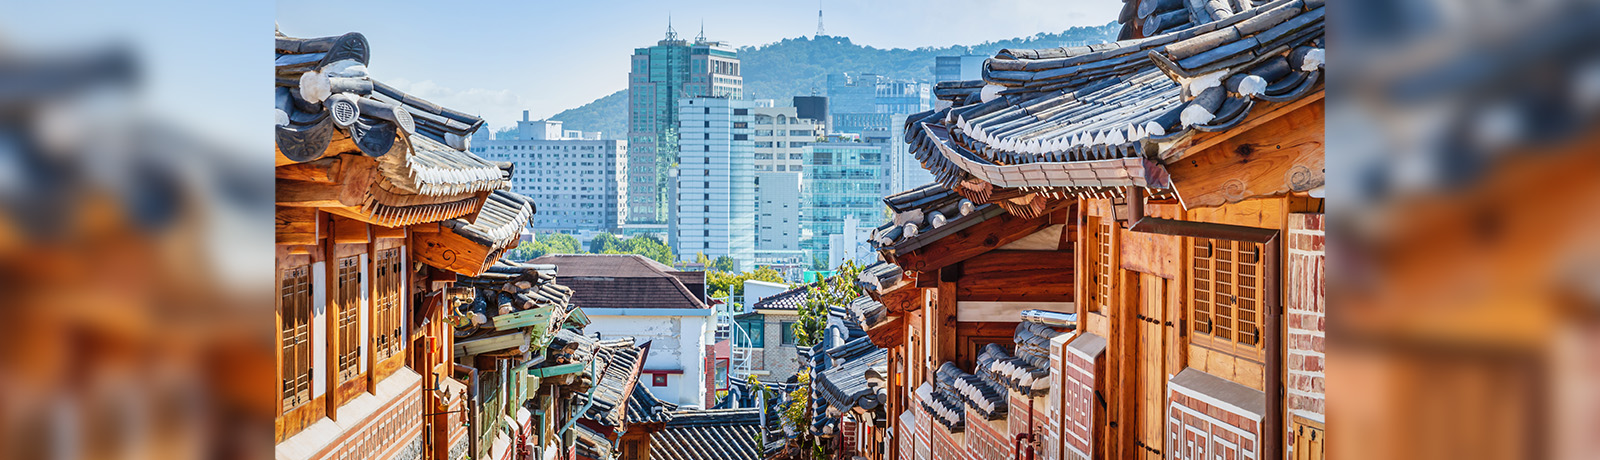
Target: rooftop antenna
x=702, y=37
x=671, y=34
x=820, y=31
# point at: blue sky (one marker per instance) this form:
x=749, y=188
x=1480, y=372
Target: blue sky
x=499, y=58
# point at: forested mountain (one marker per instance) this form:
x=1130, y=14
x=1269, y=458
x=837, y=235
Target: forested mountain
x=797, y=66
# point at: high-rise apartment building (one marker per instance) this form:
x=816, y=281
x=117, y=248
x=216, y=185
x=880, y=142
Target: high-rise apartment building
x=660, y=75
x=874, y=106
x=778, y=227
x=958, y=68
x=578, y=179
x=716, y=206
x=780, y=137
x=842, y=178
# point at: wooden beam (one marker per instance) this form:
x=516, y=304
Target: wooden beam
x=1025, y=276
x=978, y=239
x=307, y=194
x=1198, y=141
x=1281, y=155
x=379, y=232
x=323, y=170
x=297, y=225
x=350, y=231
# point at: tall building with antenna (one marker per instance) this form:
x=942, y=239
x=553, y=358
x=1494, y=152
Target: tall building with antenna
x=660, y=75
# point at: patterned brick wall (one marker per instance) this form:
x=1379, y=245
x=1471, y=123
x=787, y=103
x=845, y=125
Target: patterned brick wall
x=986, y=439
x=1017, y=417
x=923, y=422
x=385, y=433
x=1201, y=425
x=949, y=446
x=1050, y=437
x=1305, y=315
x=1085, y=358
x=783, y=361
x=905, y=433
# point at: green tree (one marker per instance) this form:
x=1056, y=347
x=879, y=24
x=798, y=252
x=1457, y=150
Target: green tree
x=604, y=242
x=839, y=289
x=646, y=246
x=724, y=264
x=560, y=243
x=724, y=283
x=553, y=243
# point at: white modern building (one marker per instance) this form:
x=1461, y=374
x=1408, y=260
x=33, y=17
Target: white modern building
x=780, y=137
x=578, y=179
x=715, y=207
x=778, y=228
x=627, y=295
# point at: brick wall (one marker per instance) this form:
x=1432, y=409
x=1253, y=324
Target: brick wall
x=1050, y=435
x=949, y=446
x=922, y=431
x=1305, y=316
x=1202, y=427
x=1084, y=358
x=986, y=439
x=904, y=432
x=783, y=361
x=1017, y=417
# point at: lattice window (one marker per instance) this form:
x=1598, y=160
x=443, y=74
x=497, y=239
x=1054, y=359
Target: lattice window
x=1227, y=292
x=349, y=319
x=388, y=331
x=1100, y=266
x=295, y=287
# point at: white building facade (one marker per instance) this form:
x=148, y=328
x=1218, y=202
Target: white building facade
x=716, y=204
x=579, y=180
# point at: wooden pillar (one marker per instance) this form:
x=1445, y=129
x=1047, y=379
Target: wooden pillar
x=944, y=319
x=330, y=369
x=1126, y=327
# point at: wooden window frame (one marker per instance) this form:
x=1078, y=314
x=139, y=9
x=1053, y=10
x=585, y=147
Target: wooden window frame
x=347, y=283
x=295, y=327
x=1226, y=294
x=388, y=332
x=1101, y=257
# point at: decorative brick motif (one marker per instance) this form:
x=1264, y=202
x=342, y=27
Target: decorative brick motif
x=986, y=439
x=1084, y=358
x=383, y=434
x=904, y=431
x=1305, y=316
x=949, y=446
x=1206, y=419
x=922, y=433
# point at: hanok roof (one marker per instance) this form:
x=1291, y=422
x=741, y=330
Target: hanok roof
x=590, y=444
x=927, y=213
x=327, y=105
x=1027, y=372
x=849, y=384
x=789, y=300
x=1082, y=119
x=621, y=281
x=512, y=299
x=645, y=407
x=867, y=313
x=709, y=434
x=617, y=363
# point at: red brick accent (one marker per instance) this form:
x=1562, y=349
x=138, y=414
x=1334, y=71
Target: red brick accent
x=1197, y=430
x=1081, y=404
x=1306, y=315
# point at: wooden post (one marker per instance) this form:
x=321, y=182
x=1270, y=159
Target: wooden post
x=330, y=369
x=944, y=320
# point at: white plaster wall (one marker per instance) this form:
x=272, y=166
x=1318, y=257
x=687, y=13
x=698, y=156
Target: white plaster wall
x=361, y=312
x=677, y=343
x=319, y=330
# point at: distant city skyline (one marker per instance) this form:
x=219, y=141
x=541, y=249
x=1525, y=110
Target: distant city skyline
x=552, y=57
